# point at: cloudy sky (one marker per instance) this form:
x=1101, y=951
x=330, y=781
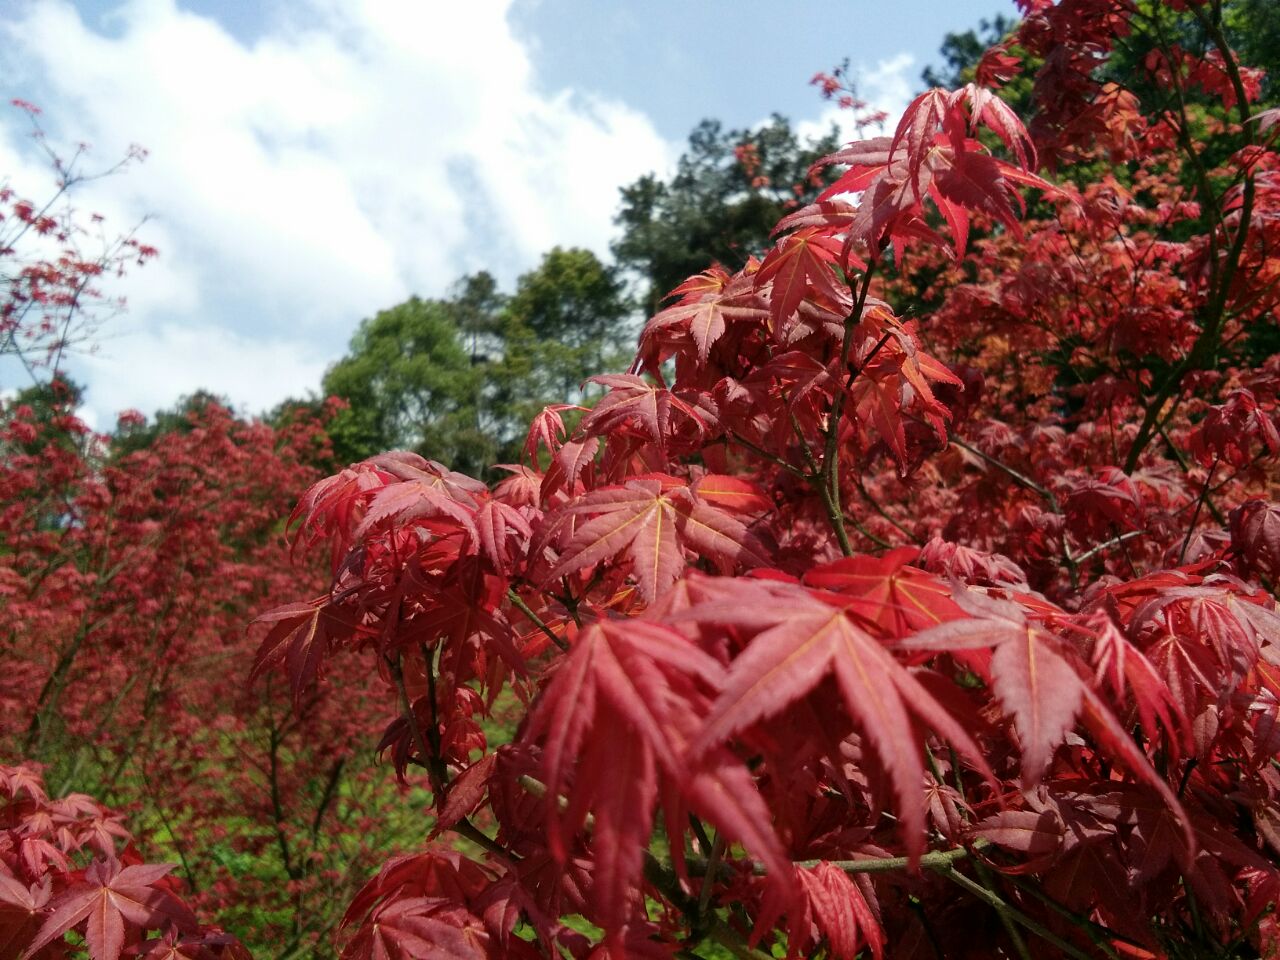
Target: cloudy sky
x=313, y=161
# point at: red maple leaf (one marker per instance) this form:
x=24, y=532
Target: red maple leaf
x=109, y=897
x=897, y=598
x=617, y=715
x=652, y=527
x=805, y=259
x=798, y=640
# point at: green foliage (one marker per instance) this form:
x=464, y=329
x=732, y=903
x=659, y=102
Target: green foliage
x=457, y=379
x=411, y=385
x=566, y=321
x=1253, y=28
x=133, y=435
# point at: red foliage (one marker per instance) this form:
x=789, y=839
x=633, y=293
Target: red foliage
x=52, y=264
x=68, y=864
x=838, y=630
x=1064, y=705
x=126, y=579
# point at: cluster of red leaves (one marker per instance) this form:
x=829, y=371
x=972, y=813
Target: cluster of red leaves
x=837, y=629
x=126, y=579
x=67, y=864
x=1058, y=693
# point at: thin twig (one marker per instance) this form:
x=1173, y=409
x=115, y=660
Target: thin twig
x=765, y=454
x=1020, y=477
x=519, y=604
x=1094, y=551
x=1195, y=514
x=996, y=902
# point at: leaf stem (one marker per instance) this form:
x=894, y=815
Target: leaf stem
x=1004, y=908
x=464, y=827
x=519, y=604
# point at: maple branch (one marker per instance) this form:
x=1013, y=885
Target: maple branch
x=875, y=505
x=1182, y=461
x=1020, y=477
x=1150, y=420
x=1071, y=562
x=326, y=798
x=277, y=805
x=1094, y=551
x=1195, y=514
x=519, y=604
x=828, y=481
x=1097, y=932
x=1004, y=908
x=805, y=450
x=464, y=827
x=728, y=938
x=1213, y=313
x=1006, y=918
x=174, y=837
x=713, y=861
x=1213, y=28
x=861, y=528
x=666, y=882
x=937, y=860
x=415, y=728
x=766, y=455
x=433, y=732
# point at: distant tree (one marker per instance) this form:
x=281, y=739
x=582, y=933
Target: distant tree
x=1253, y=27
x=568, y=317
x=137, y=433
x=410, y=384
x=961, y=52
x=729, y=189
x=455, y=379
x=48, y=402
x=54, y=259
x=477, y=307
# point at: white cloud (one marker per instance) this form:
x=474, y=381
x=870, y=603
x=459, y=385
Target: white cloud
x=355, y=154
x=179, y=358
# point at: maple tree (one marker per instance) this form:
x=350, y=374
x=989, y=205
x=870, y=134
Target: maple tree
x=912, y=593
x=1042, y=703
x=52, y=262
x=1055, y=696
x=127, y=573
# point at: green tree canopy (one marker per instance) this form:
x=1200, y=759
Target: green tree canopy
x=138, y=435
x=458, y=379
x=410, y=384
x=574, y=310
x=961, y=52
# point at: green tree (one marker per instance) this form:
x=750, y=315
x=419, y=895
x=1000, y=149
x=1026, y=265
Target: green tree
x=567, y=320
x=411, y=384
x=477, y=307
x=729, y=189
x=457, y=380
x=576, y=306
x=49, y=407
x=1253, y=28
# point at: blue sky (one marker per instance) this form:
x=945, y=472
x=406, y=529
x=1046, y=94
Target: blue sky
x=313, y=161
